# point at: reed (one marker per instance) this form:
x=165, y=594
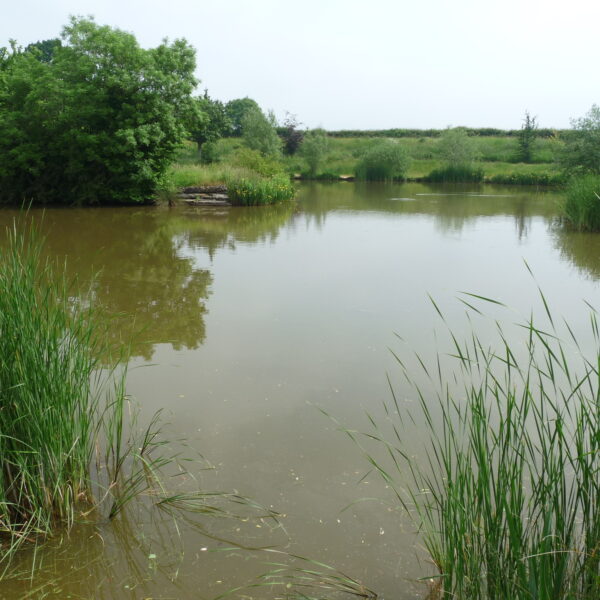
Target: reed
x=256, y=190
x=506, y=489
x=54, y=395
x=581, y=207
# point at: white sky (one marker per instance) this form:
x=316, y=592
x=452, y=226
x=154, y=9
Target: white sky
x=367, y=64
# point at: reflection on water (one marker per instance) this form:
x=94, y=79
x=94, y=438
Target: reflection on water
x=251, y=318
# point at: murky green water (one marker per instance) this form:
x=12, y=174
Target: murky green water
x=247, y=321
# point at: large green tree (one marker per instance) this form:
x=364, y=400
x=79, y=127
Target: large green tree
x=97, y=119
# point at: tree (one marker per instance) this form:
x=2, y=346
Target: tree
x=213, y=122
x=582, y=148
x=526, y=140
x=456, y=147
x=236, y=111
x=258, y=131
x=99, y=122
x=45, y=50
x=313, y=149
x=290, y=134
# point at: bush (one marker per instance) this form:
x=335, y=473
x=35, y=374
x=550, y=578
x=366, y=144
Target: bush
x=456, y=174
x=582, y=203
x=98, y=122
x=313, y=149
x=386, y=160
x=259, y=132
x=256, y=191
x=456, y=148
x=581, y=153
x=253, y=160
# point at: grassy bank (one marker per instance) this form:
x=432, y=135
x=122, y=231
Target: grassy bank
x=495, y=159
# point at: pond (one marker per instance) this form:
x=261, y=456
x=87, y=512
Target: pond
x=247, y=324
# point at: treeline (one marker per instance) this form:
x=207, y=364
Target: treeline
x=434, y=133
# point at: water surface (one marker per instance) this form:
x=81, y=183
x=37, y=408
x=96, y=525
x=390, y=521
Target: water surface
x=246, y=320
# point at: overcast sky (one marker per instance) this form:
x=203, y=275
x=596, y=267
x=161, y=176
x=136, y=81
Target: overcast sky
x=367, y=64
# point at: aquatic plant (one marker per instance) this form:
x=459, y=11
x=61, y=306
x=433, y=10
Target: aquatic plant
x=505, y=488
x=256, y=190
x=58, y=401
x=456, y=174
x=581, y=207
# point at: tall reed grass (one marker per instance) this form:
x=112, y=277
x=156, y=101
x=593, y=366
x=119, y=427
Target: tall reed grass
x=57, y=401
x=581, y=207
x=506, y=489
x=256, y=190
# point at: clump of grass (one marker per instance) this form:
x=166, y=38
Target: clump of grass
x=506, y=490
x=581, y=207
x=456, y=174
x=549, y=179
x=256, y=190
x=54, y=396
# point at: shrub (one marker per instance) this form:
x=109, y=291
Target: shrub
x=313, y=149
x=253, y=160
x=456, y=148
x=456, y=174
x=255, y=191
x=526, y=139
x=582, y=148
x=581, y=207
x=259, y=132
x=386, y=160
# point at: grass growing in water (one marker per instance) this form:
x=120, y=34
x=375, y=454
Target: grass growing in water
x=56, y=404
x=506, y=490
x=456, y=174
x=257, y=190
x=69, y=449
x=582, y=203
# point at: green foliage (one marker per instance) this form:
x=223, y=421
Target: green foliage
x=581, y=207
x=456, y=148
x=550, y=179
x=56, y=405
x=526, y=139
x=236, y=111
x=290, y=134
x=259, y=133
x=456, y=174
x=213, y=121
x=432, y=133
x=253, y=160
x=256, y=190
x=582, y=146
x=314, y=148
x=504, y=487
x=387, y=160
x=44, y=51
x=98, y=123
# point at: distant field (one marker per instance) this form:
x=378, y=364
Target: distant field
x=495, y=155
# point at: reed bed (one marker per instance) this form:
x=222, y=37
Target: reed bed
x=257, y=190
x=581, y=207
x=506, y=488
x=56, y=399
